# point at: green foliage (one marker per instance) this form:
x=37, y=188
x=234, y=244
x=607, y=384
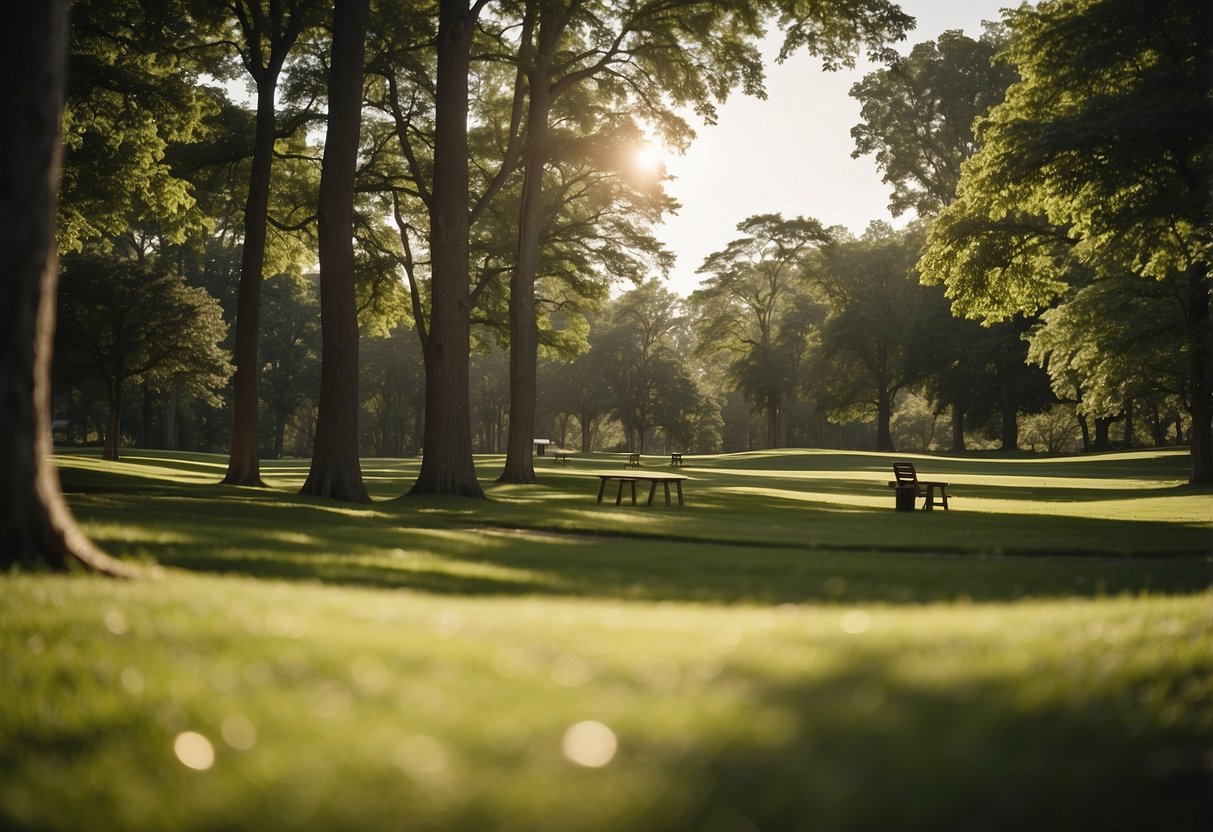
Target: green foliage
x=918, y=115
x=120, y=320
x=1114, y=341
x=131, y=94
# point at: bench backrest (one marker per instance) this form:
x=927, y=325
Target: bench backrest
x=905, y=473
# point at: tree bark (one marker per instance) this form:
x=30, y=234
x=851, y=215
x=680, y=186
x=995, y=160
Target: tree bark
x=113, y=425
x=244, y=466
x=244, y=463
x=36, y=529
x=335, y=470
x=958, y=428
x=884, y=416
x=524, y=334
x=1201, y=406
x=447, y=466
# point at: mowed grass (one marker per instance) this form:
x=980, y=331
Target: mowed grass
x=787, y=652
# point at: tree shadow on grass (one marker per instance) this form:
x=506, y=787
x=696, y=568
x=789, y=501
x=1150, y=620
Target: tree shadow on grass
x=451, y=547
x=864, y=747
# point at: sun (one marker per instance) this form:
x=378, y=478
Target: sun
x=649, y=159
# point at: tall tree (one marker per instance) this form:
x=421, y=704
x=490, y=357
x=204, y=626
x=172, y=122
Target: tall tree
x=335, y=471
x=918, y=116
x=752, y=284
x=447, y=467
x=265, y=36
x=874, y=325
x=656, y=56
x=1103, y=148
x=36, y=529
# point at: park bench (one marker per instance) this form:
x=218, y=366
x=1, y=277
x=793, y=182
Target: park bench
x=675, y=460
x=633, y=461
x=562, y=456
x=654, y=479
x=909, y=487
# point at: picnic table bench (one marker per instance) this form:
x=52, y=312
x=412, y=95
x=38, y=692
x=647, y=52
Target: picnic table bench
x=633, y=461
x=675, y=460
x=654, y=479
x=561, y=456
x=909, y=487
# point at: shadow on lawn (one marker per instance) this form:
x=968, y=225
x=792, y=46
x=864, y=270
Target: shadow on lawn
x=448, y=547
x=966, y=755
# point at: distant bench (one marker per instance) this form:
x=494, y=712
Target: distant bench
x=907, y=482
x=654, y=479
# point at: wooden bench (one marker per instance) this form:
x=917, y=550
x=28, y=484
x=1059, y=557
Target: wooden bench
x=633, y=461
x=675, y=460
x=561, y=456
x=653, y=479
x=907, y=478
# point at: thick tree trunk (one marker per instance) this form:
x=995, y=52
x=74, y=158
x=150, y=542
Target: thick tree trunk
x=335, y=470
x=586, y=424
x=524, y=333
x=244, y=466
x=36, y=529
x=447, y=466
x=958, y=428
x=1103, y=441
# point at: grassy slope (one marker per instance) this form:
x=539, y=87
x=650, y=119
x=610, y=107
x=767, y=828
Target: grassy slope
x=782, y=654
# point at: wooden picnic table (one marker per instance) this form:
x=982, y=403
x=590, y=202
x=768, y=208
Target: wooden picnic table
x=562, y=456
x=632, y=477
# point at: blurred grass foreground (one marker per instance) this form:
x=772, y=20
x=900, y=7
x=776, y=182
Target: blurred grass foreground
x=787, y=652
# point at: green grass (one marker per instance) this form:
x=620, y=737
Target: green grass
x=787, y=652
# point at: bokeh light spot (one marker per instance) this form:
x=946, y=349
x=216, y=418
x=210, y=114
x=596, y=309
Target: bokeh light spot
x=194, y=750
x=590, y=744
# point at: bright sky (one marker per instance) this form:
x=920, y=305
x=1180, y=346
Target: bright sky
x=792, y=152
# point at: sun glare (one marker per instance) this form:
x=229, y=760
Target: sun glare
x=649, y=158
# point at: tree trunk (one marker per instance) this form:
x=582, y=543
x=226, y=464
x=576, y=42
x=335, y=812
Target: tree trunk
x=1201, y=407
x=772, y=420
x=36, y=529
x=335, y=471
x=147, y=411
x=244, y=465
x=447, y=466
x=524, y=333
x=884, y=417
x=1085, y=427
x=169, y=435
x=113, y=425
x=1102, y=440
x=1010, y=423
x=958, y=428
x=586, y=423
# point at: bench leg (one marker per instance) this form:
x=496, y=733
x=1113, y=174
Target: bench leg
x=667, y=493
x=681, y=504
x=619, y=494
x=652, y=493
x=601, y=487
x=926, y=506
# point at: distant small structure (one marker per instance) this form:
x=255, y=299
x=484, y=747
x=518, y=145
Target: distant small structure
x=541, y=446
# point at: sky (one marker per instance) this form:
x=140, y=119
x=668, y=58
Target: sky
x=792, y=152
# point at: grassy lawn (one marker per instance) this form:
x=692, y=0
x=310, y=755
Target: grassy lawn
x=787, y=652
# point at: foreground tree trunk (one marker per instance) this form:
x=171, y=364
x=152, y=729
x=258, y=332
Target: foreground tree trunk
x=335, y=470
x=447, y=466
x=36, y=529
